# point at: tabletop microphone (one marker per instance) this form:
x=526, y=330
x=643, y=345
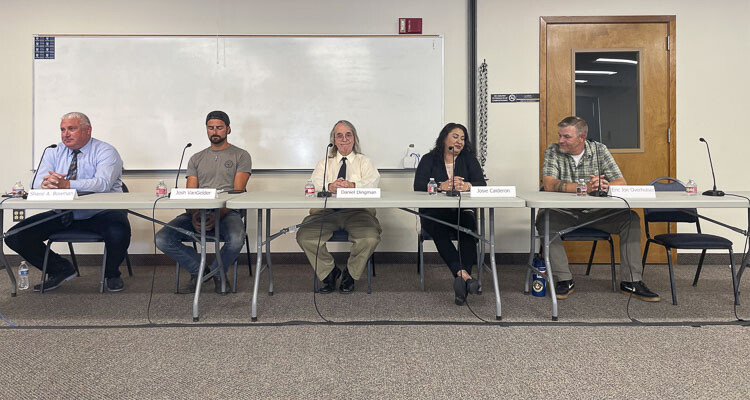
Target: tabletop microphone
x=598, y=192
x=712, y=192
x=177, y=179
x=52, y=146
x=452, y=192
x=325, y=192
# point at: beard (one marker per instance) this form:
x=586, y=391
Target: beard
x=216, y=139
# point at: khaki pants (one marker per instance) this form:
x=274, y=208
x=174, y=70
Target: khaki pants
x=625, y=224
x=364, y=232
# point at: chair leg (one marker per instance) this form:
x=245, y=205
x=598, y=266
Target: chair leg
x=420, y=260
x=700, y=266
x=612, y=264
x=480, y=265
x=44, y=266
x=372, y=259
x=127, y=262
x=591, y=257
x=735, y=286
x=73, y=257
x=315, y=282
x=249, y=263
x=177, y=278
x=645, y=254
x=104, y=268
x=671, y=276
x=234, y=281
x=369, y=276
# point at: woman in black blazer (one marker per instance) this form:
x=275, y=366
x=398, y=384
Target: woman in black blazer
x=466, y=173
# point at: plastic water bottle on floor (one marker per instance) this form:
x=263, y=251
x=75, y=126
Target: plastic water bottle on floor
x=23, y=276
x=432, y=186
x=539, y=283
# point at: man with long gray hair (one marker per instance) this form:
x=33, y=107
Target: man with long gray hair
x=346, y=167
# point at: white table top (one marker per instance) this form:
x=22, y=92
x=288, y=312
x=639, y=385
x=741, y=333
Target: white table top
x=297, y=200
x=118, y=201
x=662, y=200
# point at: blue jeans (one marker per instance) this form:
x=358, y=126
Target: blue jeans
x=232, y=233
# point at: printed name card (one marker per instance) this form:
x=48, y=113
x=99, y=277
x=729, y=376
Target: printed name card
x=52, y=194
x=358, y=193
x=493, y=191
x=192, y=194
x=633, y=191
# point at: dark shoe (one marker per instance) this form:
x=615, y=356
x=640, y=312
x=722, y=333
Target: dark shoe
x=347, y=283
x=114, y=284
x=190, y=287
x=639, y=290
x=472, y=286
x=330, y=281
x=563, y=289
x=459, y=286
x=55, y=280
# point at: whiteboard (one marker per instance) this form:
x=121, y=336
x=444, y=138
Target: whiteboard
x=149, y=95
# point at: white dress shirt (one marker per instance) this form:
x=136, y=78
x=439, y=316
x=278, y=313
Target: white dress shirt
x=359, y=170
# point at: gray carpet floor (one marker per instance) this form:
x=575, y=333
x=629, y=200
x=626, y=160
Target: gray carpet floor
x=77, y=343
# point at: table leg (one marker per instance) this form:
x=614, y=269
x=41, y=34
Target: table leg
x=532, y=246
x=269, y=266
x=201, y=268
x=217, y=250
x=258, y=265
x=549, y=267
x=5, y=261
x=498, y=313
x=480, y=258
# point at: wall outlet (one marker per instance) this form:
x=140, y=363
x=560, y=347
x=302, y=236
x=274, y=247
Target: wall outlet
x=19, y=215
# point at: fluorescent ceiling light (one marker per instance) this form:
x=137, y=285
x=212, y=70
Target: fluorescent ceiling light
x=581, y=81
x=616, y=61
x=583, y=72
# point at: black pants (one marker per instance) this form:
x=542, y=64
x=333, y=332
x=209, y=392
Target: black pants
x=442, y=236
x=112, y=225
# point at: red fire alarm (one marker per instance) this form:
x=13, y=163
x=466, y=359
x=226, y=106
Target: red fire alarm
x=410, y=26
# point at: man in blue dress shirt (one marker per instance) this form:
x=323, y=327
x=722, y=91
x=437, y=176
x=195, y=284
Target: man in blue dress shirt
x=88, y=165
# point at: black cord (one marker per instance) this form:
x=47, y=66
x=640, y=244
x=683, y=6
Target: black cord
x=744, y=253
x=315, y=268
x=153, y=274
x=643, y=267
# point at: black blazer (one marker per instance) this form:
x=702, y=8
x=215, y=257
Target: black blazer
x=433, y=166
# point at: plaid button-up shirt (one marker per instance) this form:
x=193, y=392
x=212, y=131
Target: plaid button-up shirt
x=562, y=166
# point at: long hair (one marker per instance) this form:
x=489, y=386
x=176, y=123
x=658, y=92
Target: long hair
x=439, y=148
x=334, y=149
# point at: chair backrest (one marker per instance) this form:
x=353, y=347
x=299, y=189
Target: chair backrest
x=125, y=188
x=669, y=184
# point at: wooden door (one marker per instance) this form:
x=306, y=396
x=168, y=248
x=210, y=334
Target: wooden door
x=652, y=40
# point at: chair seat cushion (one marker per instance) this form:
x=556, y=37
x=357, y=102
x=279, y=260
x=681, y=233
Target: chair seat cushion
x=693, y=241
x=584, y=234
x=76, y=235
x=339, y=236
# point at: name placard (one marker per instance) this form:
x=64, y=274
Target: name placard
x=192, y=194
x=493, y=191
x=633, y=191
x=52, y=194
x=358, y=193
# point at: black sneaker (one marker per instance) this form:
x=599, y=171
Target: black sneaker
x=639, y=290
x=113, y=284
x=330, y=281
x=563, y=289
x=54, y=281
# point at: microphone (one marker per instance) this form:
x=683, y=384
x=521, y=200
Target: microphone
x=52, y=146
x=325, y=192
x=452, y=192
x=177, y=179
x=712, y=192
x=598, y=192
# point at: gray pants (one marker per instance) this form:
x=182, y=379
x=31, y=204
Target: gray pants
x=625, y=224
x=364, y=232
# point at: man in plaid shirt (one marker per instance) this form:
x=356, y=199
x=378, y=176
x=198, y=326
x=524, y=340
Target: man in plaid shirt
x=573, y=158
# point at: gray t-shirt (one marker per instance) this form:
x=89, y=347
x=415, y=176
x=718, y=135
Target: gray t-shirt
x=216, y=169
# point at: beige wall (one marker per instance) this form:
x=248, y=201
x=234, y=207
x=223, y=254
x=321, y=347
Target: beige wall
x=712, y=59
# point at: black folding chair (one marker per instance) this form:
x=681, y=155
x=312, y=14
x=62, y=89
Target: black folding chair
x=692, y=241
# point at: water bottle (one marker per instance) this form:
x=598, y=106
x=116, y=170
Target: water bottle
x=539, y=283
x=23, y=276
x=581, y=187
x=691, y=188
x=432, y=187
x=309, y=189
x=18, y=189
x=161, y=189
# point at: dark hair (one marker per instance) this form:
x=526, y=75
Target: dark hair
x=439, y=148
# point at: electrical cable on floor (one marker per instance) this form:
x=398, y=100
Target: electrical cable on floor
x=744, y=254
x=315, y=269
x=643, y=267
x=153, y=275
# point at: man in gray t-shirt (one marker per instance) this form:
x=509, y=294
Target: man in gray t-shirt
x=219, y=166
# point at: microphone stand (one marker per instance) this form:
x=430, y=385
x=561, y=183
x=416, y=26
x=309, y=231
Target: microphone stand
x=452, y=192
x=598, y=192
x=177, y=178
x=52, y=146
x=712, y=192
x=325, y=192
